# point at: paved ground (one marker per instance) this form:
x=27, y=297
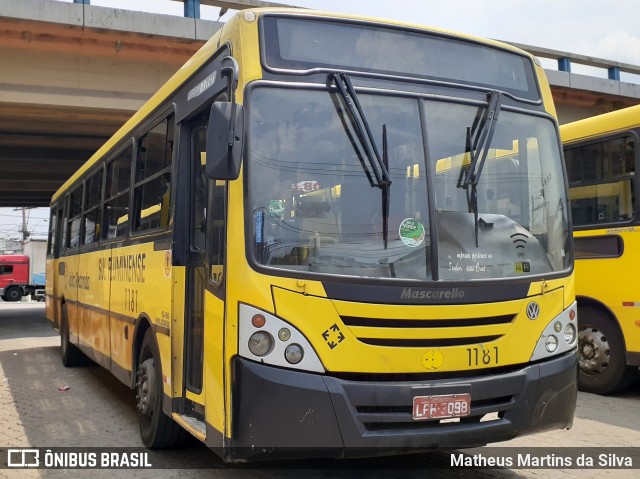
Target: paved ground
x=97, y=410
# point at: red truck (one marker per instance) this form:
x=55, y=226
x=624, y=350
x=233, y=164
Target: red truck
x=17, y=281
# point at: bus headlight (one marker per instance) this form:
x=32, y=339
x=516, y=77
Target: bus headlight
x=293, y=353
x=569, y=333
x=260, y=343
x=268, y=339
x=284, y=334
x=559, y=336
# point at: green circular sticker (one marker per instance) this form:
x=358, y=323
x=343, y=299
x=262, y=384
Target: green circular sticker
x=411, y=232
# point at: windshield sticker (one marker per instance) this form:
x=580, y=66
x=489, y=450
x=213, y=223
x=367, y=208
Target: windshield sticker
x=411, y=232
x=470, y=262
x=275, y=209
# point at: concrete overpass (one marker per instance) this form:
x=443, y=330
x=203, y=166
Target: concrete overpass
x=72, y=73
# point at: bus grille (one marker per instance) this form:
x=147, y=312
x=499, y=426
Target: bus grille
x=427, y=332
x=381, y=418
x=387, y=407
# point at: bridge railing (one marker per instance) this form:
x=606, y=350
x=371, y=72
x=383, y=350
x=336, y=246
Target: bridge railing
x=566, y=62
x=551, y=59
x=192, y=7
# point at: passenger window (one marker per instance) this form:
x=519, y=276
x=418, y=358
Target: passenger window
x=152, y=190
x=116, y=206
x=93, y=209
x=75, y=211
x=602, y=186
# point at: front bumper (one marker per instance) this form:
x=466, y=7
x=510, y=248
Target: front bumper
x=280, y=413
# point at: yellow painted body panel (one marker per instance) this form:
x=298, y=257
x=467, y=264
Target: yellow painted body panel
x=177, y=292
x=106, y=291
x=313, y=316
x=215, y=360
x=67, y=289
x=49, y=290
x=608, y=123
x=93, y=304
x=612, y=281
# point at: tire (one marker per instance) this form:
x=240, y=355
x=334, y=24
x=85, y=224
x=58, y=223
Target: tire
x=157, y=430
x=71, y=354
x=13, y=294
x=601, y=354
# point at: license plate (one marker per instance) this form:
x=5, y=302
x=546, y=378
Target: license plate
x=441, y=407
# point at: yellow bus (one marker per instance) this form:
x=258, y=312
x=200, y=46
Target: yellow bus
x=601, y=155
x=328, y=235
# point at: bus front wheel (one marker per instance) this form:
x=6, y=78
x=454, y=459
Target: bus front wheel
x=156, y=428
x=601, y=349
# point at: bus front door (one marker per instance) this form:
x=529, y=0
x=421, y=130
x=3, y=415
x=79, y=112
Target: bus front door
x=196, y=272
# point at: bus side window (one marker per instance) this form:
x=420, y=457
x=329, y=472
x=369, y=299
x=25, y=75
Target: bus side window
x=602, y=181
x=92, y=208
x=152, y=191
x=75, y=211
x=64, y=208
x=116, y=206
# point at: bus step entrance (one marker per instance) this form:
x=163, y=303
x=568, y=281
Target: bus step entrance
x=194, y=423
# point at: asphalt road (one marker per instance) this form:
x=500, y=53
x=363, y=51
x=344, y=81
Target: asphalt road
x=97, y=410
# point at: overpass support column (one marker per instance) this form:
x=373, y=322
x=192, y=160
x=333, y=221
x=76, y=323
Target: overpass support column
x=192, y=8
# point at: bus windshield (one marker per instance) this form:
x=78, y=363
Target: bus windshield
x=314, y=207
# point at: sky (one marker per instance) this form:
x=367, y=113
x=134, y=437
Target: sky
x=597, y=28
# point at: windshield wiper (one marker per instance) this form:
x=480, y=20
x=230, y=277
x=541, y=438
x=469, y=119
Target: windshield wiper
x=386, y=192
x=479, y=137
x=380, y=178
x=378, y=165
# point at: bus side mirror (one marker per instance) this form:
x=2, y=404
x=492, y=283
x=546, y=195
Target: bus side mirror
x=224, y=141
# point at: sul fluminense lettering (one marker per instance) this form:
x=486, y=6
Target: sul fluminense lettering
x=128, y=268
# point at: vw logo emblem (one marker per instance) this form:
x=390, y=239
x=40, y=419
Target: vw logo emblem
x=533, y=310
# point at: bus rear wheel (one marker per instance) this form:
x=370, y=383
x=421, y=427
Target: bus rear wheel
x=601, y=354
x=12, y=293
x=156, y=428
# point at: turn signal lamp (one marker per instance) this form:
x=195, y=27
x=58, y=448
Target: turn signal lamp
x=258, y=320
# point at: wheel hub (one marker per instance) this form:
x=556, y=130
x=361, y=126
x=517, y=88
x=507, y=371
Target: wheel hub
x=145, y=390
x=594, y=351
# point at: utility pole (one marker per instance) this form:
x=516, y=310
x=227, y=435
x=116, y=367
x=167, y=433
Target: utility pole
x=24, y=229
x=25, y=232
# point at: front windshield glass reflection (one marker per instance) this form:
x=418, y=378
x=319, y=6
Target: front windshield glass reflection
x=313, y=208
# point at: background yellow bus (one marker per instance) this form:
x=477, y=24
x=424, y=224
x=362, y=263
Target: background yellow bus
x=601, y=154
x=328, y=235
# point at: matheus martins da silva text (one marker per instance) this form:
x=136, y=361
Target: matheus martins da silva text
x=608, y=460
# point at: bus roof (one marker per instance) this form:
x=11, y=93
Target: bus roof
x=612, y=122
x=211, y=46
